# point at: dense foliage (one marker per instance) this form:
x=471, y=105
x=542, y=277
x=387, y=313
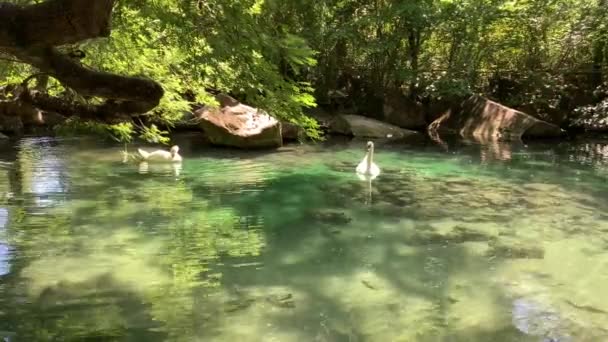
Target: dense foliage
x=547, y=57
x=522, y=52
x=193, y=48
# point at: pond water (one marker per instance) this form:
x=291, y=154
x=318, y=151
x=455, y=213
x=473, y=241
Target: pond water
x=460, y=242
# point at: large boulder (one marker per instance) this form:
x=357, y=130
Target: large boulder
x=403, y=112
x=483, y=120
x=363, y=127
x=237, y=125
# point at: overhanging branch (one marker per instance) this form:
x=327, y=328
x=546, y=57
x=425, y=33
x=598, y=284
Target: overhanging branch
x=54, y=22
x=32, y=33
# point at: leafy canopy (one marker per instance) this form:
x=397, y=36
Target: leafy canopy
x=192, y=48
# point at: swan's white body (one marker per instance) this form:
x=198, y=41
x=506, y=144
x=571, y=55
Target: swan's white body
x=161, y=156
x=367, y=169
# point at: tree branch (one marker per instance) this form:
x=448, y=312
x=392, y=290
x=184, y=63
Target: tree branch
x=54, y=22
x=31, y=34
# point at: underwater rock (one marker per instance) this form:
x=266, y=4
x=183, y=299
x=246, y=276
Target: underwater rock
x=452, y=300
x=588, y=308
x=368, y=284
x=514, y=250
x=389, y=210
x=238, y=304
x=329, y=232
x=458, y=234
x=399, y=198
x=329, y=334
x=331, y=216
x=534, y=319
x=541, y=187
x=282, y=300
x=463, y=234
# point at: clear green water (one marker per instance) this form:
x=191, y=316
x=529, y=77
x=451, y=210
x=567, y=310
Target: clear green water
x=476, y=243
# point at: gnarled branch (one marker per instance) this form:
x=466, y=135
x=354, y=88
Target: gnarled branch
x=31, y=34
x=54, y=22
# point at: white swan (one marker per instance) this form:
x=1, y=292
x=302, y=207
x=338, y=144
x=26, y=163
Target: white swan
x=161, y=155
x=367, y=169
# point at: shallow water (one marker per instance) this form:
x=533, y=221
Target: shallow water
x=454, y=243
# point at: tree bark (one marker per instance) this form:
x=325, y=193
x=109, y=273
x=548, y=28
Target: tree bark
x=32, y=34
x=54, y=22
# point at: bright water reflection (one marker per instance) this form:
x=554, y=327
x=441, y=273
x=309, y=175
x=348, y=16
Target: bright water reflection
x=452, y=243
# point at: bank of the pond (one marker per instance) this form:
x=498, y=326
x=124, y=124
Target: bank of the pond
x=234, y=124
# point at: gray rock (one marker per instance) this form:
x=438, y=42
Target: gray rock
x=514, y=250
x=363, y=127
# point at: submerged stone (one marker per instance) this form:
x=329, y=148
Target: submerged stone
x=458, y=234
x=330, y=216
x=238, y=304
x=514, y=250
x=534, y=319
x=282, y=300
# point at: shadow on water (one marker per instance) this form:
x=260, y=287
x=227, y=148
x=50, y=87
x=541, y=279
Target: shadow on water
x=287, y=246
x=333, y=274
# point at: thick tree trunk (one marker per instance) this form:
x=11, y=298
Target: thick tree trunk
x=32, y=33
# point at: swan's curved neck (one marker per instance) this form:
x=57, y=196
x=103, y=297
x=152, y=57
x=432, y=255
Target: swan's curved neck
x=370, y=158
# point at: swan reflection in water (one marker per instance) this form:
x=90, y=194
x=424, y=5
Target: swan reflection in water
x=368, y=182
x=5, y=249
x=145, y=168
